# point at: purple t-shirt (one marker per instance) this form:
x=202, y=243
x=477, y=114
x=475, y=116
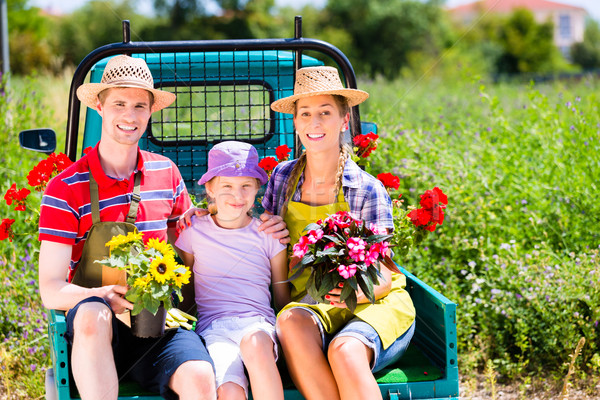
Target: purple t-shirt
x=232, y=269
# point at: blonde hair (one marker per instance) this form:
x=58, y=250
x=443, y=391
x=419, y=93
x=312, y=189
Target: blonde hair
x=345, y=152
x=211, y=204
x=104, y=94
x=298, y=169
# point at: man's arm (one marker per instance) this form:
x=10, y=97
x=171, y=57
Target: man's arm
x=57, y=294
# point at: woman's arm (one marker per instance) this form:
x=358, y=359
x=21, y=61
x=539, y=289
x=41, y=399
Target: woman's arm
x=279, y=272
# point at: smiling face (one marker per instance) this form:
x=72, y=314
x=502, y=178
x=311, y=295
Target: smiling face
x=233, y=197
x=319, y=121
x=125, y=113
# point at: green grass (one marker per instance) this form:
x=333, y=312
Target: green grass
x=518, y=250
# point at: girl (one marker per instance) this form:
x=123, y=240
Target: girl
x=331, y=352
x=234, y=264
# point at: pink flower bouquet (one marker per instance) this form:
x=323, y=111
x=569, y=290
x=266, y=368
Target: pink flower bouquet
x=341, y=249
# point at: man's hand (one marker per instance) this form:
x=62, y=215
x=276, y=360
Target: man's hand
x=186, y=219
x=115, y=296
x=274, y=226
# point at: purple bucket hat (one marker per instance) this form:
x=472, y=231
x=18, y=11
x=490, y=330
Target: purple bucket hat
x=233, y=159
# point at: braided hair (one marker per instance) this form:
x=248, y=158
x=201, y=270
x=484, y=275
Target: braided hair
x=345, y=152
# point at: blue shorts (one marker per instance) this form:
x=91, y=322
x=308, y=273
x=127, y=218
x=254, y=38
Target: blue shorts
x=359, y=329
x=148, y=361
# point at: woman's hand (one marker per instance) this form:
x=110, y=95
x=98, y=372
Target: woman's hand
x=274, y=226
x=380, y=290
x=186, y=219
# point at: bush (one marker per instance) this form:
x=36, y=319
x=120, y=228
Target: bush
x=587, y=53
x=521, y=202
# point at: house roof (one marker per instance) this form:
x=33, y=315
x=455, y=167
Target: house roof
x=506, y=6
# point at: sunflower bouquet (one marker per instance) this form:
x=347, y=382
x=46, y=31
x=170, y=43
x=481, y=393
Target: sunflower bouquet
x=152, y=272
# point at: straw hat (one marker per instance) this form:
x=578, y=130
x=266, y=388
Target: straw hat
x=125, y=72
x=315, y=81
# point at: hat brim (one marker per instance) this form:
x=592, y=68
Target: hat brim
x=231, y=171
x=88, y=94
x=286, y=105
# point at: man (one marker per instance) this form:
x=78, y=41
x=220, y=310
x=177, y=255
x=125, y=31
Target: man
x=102, y=348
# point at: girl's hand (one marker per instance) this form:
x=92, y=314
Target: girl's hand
x=186, y=219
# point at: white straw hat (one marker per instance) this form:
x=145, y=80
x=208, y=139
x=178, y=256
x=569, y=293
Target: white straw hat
x=125, y=72
x=315, y=81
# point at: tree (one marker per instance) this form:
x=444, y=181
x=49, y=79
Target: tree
x=587, y=53
x=30, y=41
x=95, y=24
x=384, y=33
x=527, y=46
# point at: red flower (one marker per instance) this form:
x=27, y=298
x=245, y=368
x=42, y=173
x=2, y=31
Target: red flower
x=420, y=217
x=5, y=229
x=389, y=180
x=282, y=152
x=431, y=198
x=87, y=149
x=39, y=176
x=18, y=196
x=268, y=163
x=366, y=144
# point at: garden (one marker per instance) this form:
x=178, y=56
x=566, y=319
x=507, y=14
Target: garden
x=518, y=250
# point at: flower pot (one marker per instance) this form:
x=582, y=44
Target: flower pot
x=146, y=325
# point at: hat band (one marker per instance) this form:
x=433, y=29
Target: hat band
x=137, y=83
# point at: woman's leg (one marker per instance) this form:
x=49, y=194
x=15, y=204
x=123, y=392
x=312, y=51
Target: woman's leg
x=231, y=391
x=258, y=354
x=300, y=339
x=350, y=362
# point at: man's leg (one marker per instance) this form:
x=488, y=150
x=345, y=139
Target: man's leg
x=177, y=365
x=194, y=380
x=92, y=360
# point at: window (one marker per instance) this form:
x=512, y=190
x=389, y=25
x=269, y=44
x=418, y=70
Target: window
x=564, y=26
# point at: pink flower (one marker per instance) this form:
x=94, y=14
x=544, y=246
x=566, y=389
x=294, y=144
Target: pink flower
x=347, y=271
x=329, y=245
x=314, y=236
x=356, y=247
x=377, y=230
x=301, y=247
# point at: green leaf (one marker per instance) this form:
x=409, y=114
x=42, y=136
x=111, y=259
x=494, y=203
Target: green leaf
x=367, y=287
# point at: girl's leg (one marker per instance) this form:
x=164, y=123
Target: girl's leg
x=257, y=350
x=350, y=362
x=231, y=391
x=300, y=338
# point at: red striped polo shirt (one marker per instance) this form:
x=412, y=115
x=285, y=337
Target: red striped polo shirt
x=65, y=211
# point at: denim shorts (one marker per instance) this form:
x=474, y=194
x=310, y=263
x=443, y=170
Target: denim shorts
x=148, y=361
x=223, y=337
x=359, y=329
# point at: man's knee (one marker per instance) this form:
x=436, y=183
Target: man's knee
x=196, y=376
x=93, y=320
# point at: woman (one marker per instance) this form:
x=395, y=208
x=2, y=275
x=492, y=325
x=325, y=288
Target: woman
x=331, y=352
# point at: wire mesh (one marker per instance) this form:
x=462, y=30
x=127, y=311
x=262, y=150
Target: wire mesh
x=220, y=96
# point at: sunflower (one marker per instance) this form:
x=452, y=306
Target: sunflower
x=163, y=247
x=163, y=269
x=119, y=240
x=143, y=281
x=183, y=279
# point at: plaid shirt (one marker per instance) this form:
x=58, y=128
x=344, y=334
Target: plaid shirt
x=366, y=196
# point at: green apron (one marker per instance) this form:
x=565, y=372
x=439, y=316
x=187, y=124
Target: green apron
x=390, y=316
x=89, y=273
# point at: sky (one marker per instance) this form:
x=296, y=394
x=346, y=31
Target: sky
x=592, y=6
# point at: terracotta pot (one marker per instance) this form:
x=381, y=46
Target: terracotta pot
x=147, y=325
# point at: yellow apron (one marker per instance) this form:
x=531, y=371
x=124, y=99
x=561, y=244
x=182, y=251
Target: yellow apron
x=390, y=316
